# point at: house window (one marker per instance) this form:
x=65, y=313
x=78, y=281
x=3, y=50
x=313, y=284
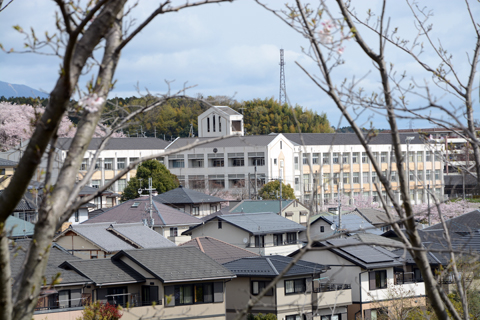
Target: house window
x=315, y=157
x=335, y=157
x=258, y=286
x=108, y=164
x=213, y=208
x=393, y=176
x=355, y=157
x=364, y=157
x=365, y=177
x=411, y=156
x=220, y=224
x=305, y=158
x=131, y=160
x=345, y=158
x=412, y=175
x=326, y=178
x=437, y=174
x=194, y=293
x=121, y=163
x=218, y=163
x=275, y=161
x=295, y=161
x=281, y=145
x=150, y=295
x=219, y=124
x=356, y=177
x=428, y=156
x=98, y=164
x=96, y=184
x=336, y=178
x=83, y=166
x=122, y=183
x=419, y=156
x=322, y=229
x=77, y=216
x=174, y=232
x=208, y=124
x=195, y=211
x=294, y=317
x=278, y=239
x=259, y=241
x=383, y=157
x=297, y=183
x=177, y=163
x=291, y=237
x=295, y=286
x=377, y=279
x=346, y=178
x=374, y=176
x=326, y=158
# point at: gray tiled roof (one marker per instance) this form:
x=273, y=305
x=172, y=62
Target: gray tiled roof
x=218, y=250
x=177, y=264
x=25, y=203
x=374, y=216
x=374, y=238
x=141, y=235
x=353, y=223
x=56, y=257
x=468, y=222
x=227, y=110
x=344, y=138
x=259, y=223
x=365, y=256
x=163, y=215
x=7, y=163
x=104, y=271
x=183, y=195
x=119, y=144
x=271, y=266
x=252, y=206
x=97, y=233
x=235, y=141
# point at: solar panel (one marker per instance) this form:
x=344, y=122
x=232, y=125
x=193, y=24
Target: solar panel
x=364, y=253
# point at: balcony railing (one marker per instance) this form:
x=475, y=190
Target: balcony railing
x=325, y=287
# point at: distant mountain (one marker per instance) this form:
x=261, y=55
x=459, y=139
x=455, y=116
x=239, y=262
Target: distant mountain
x=19, y=90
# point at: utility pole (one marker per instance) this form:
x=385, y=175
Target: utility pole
x=249, y=183
x=428, y=203
x=255, y=186
x=150, y=189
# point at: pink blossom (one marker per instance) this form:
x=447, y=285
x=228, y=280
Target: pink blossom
x=340, y=50
x=91, y=103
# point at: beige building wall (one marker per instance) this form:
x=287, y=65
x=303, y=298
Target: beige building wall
x=81, y=248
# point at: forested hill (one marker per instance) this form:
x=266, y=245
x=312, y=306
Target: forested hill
x=174, y=118
x=265, y=116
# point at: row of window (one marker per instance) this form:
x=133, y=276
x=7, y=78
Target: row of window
x=295, y=286
x=277, y=239
x=338, y=157
x=108, y=163
x=213, y=163
x=367, y=177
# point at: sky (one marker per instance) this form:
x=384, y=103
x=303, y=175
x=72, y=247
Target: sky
x=232, y=50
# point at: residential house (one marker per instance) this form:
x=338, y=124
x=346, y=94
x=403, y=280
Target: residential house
x=7, y=168
x=190, y=201
x=102, y=240
x=26, y=208
x=298, y=294
x=262, y=233
x=326, y=225
x=18, y=228
x=378, y=218
x=167, y=221
x=220, y=251
x=182, y=282
x=372, y=273
x=291, y=209
x=67, y=293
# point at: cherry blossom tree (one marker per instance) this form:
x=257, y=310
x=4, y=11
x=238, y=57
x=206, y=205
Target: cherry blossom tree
x=18, y=123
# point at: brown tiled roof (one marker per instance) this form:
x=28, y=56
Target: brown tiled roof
x=219, y=251
x=162, y=214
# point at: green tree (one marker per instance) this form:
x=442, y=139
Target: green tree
x=162, y=179
x=270, y=190
x=261, y=316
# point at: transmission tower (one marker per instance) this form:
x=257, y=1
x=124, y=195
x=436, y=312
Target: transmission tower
x=283, y=90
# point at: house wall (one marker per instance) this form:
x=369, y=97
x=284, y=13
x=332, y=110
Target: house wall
x=226, y=125
x=9, y=171
x=81, y=248
x=292, y=304
x=315, y=232
x=239, y=292
x=82, y=216
x=296, y=207
x=228, y=233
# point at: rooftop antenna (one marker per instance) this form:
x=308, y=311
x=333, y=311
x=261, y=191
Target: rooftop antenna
x=150, y=209
x=283, y=90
